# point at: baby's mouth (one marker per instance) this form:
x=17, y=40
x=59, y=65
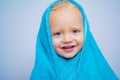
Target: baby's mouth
x=68, y=49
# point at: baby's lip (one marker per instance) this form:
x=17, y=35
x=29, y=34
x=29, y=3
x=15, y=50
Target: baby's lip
x=73, y=44
x=68, y=46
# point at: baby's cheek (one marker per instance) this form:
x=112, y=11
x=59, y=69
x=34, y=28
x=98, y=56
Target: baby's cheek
x=56, y=42
x=81, y=37
x=80, y=40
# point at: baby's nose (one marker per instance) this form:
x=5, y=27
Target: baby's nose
x=67, y=39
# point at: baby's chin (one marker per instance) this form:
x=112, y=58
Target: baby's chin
x=68, y=56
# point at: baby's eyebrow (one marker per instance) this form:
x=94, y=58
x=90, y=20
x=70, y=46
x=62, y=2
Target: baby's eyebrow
x=78, y=27
x=54, y=31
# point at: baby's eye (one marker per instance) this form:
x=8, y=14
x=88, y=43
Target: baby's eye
x=57, y=34
x=75, y=31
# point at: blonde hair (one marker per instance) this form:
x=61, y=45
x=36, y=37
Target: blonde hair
x=62, y=5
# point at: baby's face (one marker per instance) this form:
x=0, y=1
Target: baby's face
x=67, y=31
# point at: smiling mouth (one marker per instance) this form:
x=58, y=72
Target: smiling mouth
x=68, y=49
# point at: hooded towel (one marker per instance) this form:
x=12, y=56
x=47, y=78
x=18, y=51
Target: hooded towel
x=88, y=64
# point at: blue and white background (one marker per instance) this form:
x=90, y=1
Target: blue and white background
x=19, y=24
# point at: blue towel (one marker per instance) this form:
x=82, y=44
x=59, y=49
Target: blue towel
x=88, y=64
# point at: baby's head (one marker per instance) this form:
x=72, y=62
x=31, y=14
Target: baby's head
x=67, y=29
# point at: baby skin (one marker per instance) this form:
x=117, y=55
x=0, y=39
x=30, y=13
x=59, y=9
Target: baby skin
x=67, y=29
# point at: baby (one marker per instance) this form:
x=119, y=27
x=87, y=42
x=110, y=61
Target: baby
x=66, y=49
